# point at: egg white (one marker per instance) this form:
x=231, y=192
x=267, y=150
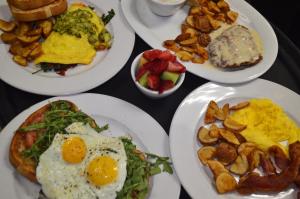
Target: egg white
x=60, y=179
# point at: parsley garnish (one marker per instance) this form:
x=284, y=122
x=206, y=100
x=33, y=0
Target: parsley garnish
x=106, y=18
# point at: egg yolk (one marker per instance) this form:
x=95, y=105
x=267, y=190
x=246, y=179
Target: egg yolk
x=102, y=170
x=74, y=150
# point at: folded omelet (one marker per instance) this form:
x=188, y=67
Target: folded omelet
x=73, y=37
x=267, y=124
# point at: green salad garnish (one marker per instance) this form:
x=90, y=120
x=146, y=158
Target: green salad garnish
x=59, y=116
x=139, y=169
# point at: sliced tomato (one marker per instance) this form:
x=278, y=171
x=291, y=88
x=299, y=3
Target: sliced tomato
x=30, y=138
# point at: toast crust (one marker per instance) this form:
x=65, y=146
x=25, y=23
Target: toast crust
x=29, y=4
x=55, y=8
x=26, y=166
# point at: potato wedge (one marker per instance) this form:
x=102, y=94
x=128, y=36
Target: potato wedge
x=219, y=114
x=46, y=27
x=225, y=183
x=16, y=48
x=182, y=37
x=184, y=56
x=8, y=38
x=36, y=52
x=189, y=42
x=229, y=137
x=226, y=109
x=232, y=15
x=240, y=105
x=204, y=138
x=28, y=39
x=7, y=26
x=246, y=148
x=216, y=167
x=209, y=115
x=22, y=29
x=240, y=165
x=195, y=10
x=214, y=131
x=20, y=60
x=190, y=21
x=198, y=60
x=34, y=32
x=206, y=153
x=191, y=31
x=233, y=125
x=226, y=153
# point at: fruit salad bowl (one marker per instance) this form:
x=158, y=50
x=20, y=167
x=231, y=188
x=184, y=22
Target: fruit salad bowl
x=157, y=73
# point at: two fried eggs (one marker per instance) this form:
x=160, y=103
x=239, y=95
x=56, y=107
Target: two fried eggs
x=82, y=164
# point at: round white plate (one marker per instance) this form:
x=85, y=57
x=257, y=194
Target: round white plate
x=196, y=178
x=82, y=78
x=123, y=119
x=155, y=29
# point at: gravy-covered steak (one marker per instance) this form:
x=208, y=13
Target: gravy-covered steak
x=235, y=47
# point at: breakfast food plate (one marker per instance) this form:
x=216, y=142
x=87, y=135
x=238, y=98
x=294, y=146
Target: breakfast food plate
x=104, y=65
x=155, y=30
x=147, y=134
x=196, y=178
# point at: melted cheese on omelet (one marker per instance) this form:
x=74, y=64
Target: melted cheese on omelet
x=267, y=124
x=68, y=49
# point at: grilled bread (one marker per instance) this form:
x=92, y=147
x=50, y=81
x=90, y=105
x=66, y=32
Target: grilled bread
x=20, y=141
x=29, y=4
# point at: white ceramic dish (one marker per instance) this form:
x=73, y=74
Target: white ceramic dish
x=165, y=8
x=121, y=117
x=155, y=29
x=148, y=92
x=82, y=78
x=196, y=179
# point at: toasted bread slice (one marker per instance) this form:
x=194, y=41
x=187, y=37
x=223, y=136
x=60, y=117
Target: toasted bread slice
x=29, y=4
x=26, y=166
x=55, y=8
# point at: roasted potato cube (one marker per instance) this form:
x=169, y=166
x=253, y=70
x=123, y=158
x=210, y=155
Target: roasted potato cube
x=240, y=165
x=213, y=7
x=20, y=60
x=226, y=153
x=225, y=183
x=232, y=15
x=202, y=24
x=206, y=153
x=240, y=105
x=182, y=37
x=8, y=38
x=223, y=5
x=7, y=26
x=195, y=10
x=204, y=137
x=229, y=137
x=204, y=39
x=233, y=125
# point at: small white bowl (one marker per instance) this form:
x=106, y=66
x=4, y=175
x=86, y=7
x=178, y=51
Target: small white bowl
x=148, y=92
x=166, y=8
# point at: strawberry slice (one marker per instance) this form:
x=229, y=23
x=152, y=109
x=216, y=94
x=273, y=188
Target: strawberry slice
x=141, y=71
x=165, y=85
x=150, y=55
x=167, y=56
x=157, y=66
x=153, y=82
x=176, y=67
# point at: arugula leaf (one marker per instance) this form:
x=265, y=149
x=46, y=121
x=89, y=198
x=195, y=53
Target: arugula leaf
x=139, y=169
x=106, y=18
x=56, y=119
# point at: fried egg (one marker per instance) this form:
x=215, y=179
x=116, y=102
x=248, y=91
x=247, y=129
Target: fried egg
x=82, y=164
x=68, y=49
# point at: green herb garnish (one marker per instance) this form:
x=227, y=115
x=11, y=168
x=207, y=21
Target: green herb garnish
x=139, y=170
x=106, y=18
x=59, y=116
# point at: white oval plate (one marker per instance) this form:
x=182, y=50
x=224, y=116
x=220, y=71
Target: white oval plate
x=122, y=119
x=155, y=29
x=82, y=78
x=196, y=178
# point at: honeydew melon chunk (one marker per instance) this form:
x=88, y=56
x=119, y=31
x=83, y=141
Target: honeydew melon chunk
x=143, y=79
x=166, y=75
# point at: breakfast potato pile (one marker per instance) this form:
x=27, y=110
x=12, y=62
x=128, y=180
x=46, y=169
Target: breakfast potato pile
x=230, y=157
x=24, y=38
x=204, y=17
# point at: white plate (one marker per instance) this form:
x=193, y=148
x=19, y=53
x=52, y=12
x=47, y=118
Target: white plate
x=123, y=119
x=82, y=78
x=155, y=29
x=195, y=178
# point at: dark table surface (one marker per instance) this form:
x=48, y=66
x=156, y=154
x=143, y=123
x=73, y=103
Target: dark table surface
x=285, y=71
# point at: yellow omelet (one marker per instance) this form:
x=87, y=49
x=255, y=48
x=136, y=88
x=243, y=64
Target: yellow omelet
x=267, y=124
x=69, y=49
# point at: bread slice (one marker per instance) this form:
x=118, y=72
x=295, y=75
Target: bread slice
x=55, y=8
x=26, y=166
x=29, y=4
